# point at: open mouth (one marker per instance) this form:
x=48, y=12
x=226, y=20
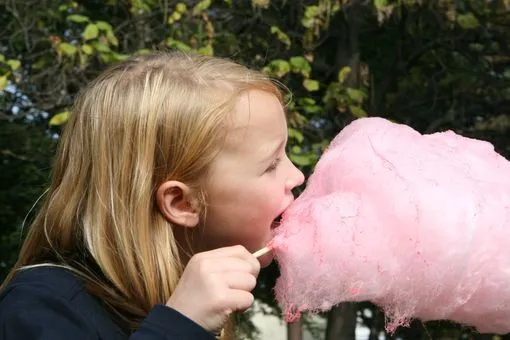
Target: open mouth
x=276, y=222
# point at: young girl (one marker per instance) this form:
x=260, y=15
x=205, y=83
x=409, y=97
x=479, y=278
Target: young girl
x=169, y=175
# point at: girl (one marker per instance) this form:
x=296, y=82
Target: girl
x=169, y=174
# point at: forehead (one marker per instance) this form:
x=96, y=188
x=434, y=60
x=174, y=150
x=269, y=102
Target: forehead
x=256, y=129
x=258, y=118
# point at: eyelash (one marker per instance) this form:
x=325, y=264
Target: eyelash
x=274, y=165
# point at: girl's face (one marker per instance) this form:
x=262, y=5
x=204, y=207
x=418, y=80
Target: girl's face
x=252, y=178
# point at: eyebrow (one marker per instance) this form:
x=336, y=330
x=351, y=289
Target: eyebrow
x=275, y=151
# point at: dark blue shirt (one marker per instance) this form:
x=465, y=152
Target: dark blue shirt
x=50, y=303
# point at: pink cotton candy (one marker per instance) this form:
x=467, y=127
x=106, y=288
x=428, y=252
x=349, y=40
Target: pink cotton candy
x=417, y=224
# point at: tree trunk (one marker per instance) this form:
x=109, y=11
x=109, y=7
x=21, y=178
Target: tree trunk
x=342, y=322
x=294, y=330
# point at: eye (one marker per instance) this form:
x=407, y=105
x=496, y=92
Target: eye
x=273, y=165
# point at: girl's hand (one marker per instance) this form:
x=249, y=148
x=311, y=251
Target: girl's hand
x=215, y=284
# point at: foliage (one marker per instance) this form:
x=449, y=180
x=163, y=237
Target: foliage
x=435, y=65
x=25, y=155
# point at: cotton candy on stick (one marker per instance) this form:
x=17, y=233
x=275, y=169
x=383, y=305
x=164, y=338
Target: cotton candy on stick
x=417, y=224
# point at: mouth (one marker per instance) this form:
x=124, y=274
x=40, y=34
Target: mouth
x=276, y=222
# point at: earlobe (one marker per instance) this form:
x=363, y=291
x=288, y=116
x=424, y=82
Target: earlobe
x=177, y=203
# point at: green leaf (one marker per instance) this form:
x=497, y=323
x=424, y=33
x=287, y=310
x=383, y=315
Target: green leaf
x=103, y=48
x=181, y=8
x=2, y=58
x=311, y=11
x=14, y=64
x=279, y=67
x=300, y=65
x=297, y=135
x=87, y=49
x=296, y=149
x=312, y=108
x=311, y=85
x=356, y=95
x=344, y=73
x=3, y=82
x=206, y=50
x=306, y=101
x=106, y=57
x=178, y=45
x=104, y=26
x=380, y=4
x=40, y=63
x=357, y=111
x=201, y=6
x=300, y=160
x=140, y=6
x=90, y=32
x=83, y=58
x=176, y=16
x=309, y=18
x=67, y=49
x=307, y=22
x=119, y=56
x=467, y=21
x=112, y=38
x=309, y=105
x=280, y=35
x=59, y=118
x=78, y=18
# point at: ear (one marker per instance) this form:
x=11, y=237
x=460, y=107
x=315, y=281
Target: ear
x=177, y=203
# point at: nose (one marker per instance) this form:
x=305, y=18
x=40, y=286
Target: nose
x=295, y=178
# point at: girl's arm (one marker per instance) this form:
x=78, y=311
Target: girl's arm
x=32, y=314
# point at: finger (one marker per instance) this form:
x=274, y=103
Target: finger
x=233, y=251
x=241, y=281
x=239, y=300
x=236, y=250
x=244, y=254
x=227, y=265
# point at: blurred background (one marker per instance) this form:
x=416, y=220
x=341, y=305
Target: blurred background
x=434, y=65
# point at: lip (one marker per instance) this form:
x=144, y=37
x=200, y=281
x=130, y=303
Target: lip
x=277, y=220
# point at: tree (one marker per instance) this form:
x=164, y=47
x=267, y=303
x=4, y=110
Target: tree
x=435, y=65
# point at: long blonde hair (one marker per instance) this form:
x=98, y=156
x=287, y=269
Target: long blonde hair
x=144, y=121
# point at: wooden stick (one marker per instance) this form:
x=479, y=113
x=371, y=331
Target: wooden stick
x=262, y=251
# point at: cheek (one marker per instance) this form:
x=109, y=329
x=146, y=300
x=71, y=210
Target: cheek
x=266, y=198
x=248, y=203
x=274, y=193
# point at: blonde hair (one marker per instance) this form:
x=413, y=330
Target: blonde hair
x=144, y=121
